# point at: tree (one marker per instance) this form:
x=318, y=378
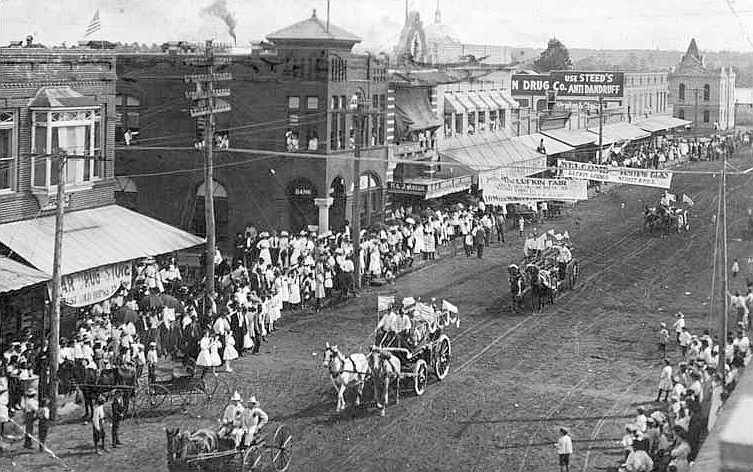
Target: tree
x=555, y=57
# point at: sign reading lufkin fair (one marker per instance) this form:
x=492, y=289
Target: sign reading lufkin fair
x=500, y=189
x=94, y=285
x=620, y=175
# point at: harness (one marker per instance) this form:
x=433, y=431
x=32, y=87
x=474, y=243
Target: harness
x=342, y=369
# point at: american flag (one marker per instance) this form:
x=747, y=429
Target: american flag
x=94, y=25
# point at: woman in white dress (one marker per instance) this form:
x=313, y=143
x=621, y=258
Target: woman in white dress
x=204, y=360
x=263, y=247
x=295, y=290
x=375, y=261
x=418, y=237
x=229, y=353
x=319, y=291
x=284, y=290
x=214, y=355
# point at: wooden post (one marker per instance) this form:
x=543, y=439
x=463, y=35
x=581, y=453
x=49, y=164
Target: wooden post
x=209, y=175
x=601, y=127
x=725, y=268
x=54, y=347
x=356, y=213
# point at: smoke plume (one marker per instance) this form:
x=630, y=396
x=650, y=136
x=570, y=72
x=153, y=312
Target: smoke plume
x=219, y=9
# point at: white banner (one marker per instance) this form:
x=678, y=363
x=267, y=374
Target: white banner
x=620, y=175
x=94, y=285
x=498, y=189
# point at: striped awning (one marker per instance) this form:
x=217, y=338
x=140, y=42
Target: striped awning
x=451, y=103
x=93, y=238
x=476, y=99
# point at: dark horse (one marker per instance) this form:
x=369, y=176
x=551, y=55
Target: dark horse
x=543, y=286
x=654, y=218
x=93, y=383
x=517, y=285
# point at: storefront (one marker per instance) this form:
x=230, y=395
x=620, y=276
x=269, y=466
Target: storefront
x=22, y=299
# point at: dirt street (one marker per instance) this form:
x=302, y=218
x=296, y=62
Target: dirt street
x=515, y=377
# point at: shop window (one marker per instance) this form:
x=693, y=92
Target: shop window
x=312, y=103
x=706, y=116
x=448, y=124
x=681, y=114
x=221, y=211
x=335, y=102
x=459, y=123
x=75, y=132
x=472, y=122
x=681, y=92
x=706, y=93
x=8, y=155
x=294, y=103
x=312, y=140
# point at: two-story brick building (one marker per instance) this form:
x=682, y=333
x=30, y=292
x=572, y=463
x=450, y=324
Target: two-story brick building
x=55, y=101
x=290, y=97
x=702, y=94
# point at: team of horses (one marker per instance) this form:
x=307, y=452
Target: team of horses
x=91, y=383
x=541, y=282
x=665, y=219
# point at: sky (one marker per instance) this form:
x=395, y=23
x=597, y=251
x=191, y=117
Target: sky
x=598, y=24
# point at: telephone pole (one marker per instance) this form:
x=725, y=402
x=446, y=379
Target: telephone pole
x=356, y=214
x=53, y=347
x=204, y=96
x=725, y=281
x=601, y=127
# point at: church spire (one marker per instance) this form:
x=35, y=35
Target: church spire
x=437, y=15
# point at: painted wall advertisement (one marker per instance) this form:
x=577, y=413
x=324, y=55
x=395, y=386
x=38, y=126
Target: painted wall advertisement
x=94, y=285
x=621, y=175
x=570, y=84
x=499, y=189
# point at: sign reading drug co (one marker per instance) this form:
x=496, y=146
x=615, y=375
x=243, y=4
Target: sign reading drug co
x=94, y=285
x=570, y=84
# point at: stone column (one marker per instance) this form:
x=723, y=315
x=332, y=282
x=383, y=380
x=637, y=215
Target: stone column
x=323, y=205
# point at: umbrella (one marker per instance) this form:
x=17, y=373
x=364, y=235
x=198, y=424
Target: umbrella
x=124, y=314
x=151, y=301
x=172, y=302
x=410, y=221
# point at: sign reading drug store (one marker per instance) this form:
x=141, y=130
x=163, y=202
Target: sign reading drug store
x=94, y=285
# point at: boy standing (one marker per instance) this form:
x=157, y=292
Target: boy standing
x=98, y=425
x=663, y=339
x=43, y=415
x=564, y=449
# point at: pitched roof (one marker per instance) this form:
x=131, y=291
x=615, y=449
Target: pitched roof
x=64, y=97
x=693, y=50
x=313, y=29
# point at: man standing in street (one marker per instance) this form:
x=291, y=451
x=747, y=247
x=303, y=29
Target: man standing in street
x=118, y=413
x=564, y=449
x=98, y=425
x=479, y=240
x=663, y=339
x=500, y=223
x=679, y=324
x=684, y=338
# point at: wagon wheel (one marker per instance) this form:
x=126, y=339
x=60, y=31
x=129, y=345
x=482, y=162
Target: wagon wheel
x=160, y=397
x=574, y=275
x=420, y=377
x=281, y=448
x=138, y=403
x=251, y=459
x=442, y=354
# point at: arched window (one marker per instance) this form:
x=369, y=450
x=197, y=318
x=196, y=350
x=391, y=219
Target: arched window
x=706, y=116
x=706, y=93
x=371, y=198
x=681, y=114
x=221, y=217
x=681, y=92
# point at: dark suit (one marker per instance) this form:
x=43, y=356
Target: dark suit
x=238, y=327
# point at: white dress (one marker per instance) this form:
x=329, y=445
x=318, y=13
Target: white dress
x=214, y=355
x=204, y=359
x=264, y=253
x=230, y=353
x=284, y=289
x=295, y=290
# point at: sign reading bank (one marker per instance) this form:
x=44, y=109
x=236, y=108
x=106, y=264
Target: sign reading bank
x=572, y=84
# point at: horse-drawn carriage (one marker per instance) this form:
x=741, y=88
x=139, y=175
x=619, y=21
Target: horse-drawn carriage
x=205, y=451
x=666, y=219
x=543, y=275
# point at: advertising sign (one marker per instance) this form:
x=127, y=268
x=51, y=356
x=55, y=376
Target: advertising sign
x=499, y=189
x=570, y=84
x=406, y=188
x=94, y=285
x=620, y=175
x=446, y=187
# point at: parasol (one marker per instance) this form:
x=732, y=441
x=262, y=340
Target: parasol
x=151, y=301
x=410, y=221
x=172, y=302
x=123, y=315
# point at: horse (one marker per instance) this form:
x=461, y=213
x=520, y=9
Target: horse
x=346, y=371
x=517, y=285
x=384, y=367
x=181, y=445
x=543, y=286
x=94, y=383
x=652, y=218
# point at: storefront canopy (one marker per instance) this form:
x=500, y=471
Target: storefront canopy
x=661, y=123
x=572, y=137
x=94, y=238
x=618, y=132
x=413, y=111
x=552, y=146
x=15, y=276
x=452, y=104
x=494, y=150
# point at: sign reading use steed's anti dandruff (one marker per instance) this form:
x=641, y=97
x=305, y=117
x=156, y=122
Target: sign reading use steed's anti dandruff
x=570, y=84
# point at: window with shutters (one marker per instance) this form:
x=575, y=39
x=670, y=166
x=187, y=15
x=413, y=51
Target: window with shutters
x=8, y=154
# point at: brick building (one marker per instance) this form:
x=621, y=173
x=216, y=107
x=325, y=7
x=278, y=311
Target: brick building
x=53, y=101
x=290, y=96
x=702, y=94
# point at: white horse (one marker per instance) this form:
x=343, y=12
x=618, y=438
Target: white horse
x=385, y=368
x=345, y=372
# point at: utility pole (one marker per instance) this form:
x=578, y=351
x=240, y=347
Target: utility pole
x=601, y=127
x=204, y=95
x=356, y=214
x=725, y=287
x=54, y=348
x=695, y=110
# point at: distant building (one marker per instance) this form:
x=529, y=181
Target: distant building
x=292, y=96
x=744, y=106
x=702, y=94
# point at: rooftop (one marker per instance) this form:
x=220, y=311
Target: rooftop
x=313, y=29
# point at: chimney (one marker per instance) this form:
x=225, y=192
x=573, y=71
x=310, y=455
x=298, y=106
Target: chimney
x=29, y=41
x=327, y=27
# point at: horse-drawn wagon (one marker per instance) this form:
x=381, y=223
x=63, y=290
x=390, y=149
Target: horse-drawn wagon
x=418, y=346
x=204, y=451
x=544, y=272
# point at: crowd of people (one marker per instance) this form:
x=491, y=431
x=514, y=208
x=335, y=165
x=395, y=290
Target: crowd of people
x=668, y=436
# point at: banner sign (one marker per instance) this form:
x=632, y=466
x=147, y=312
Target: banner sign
x=570, y=84
x=499, y=189
x=446, y=187
x=620, y=175
x=406, y=188
x=94, y=285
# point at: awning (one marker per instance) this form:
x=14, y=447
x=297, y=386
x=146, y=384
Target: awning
x=452, y=104
x=94, y=238
x=573, y=137
x=61, y=97
x=466, y=102
x=661, y=123
x=618, y=132
x=497, y=99
x=552, y=146
x=413, y=111
x=493, y=150
x=476, y=99
x=504, y=95
x=14, y=275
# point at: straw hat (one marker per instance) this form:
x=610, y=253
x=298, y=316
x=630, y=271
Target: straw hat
x=236, y=397
x=253, y=400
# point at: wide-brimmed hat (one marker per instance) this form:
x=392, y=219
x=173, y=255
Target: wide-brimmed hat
x=236, y=397
x=31, y=392
x=284, y=233
x=264, y=234
x=252, y=400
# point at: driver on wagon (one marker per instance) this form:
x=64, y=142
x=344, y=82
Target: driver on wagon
x=388, y=324
x=232, y=420
x=254, y=419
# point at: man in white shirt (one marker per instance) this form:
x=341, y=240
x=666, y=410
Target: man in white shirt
x=684, y=339
x=564, y=450
x=679, y=324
